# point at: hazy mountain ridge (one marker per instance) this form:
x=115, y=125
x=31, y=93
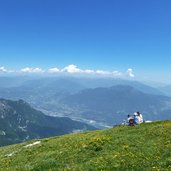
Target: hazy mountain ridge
x=72, y=84
x=112, y=104
x=20, y=122
x=166, y=90
x=93, y=100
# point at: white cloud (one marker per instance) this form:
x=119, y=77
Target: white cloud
x=89, y=71
x=32, y=70
x=101, y=72
x=3, y=69
x=117, y=73
x=109, y=73
x=71, y=69
x=129, y=72
x=6, y=71
x=53, y=70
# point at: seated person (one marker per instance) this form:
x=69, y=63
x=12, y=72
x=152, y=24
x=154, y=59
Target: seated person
x=138, y=119
x=130, y=120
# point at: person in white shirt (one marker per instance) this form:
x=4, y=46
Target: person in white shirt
x=140, y=117
x=136, y=118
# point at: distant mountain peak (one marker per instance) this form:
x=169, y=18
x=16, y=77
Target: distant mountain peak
x=20, y=122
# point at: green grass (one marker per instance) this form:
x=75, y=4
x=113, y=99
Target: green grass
x=146, y=147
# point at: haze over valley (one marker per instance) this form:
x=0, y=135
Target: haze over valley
x=100, y=102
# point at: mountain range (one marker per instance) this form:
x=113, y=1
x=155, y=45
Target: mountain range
x=20, y=122
x=166, y=89
x=101, y=102
x=111, y=105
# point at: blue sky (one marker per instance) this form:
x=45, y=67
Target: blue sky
x=110, y=35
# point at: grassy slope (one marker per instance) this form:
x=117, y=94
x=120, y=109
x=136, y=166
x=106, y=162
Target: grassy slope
x=144, y=147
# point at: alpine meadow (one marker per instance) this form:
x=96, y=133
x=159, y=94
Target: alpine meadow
x=143, y=147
